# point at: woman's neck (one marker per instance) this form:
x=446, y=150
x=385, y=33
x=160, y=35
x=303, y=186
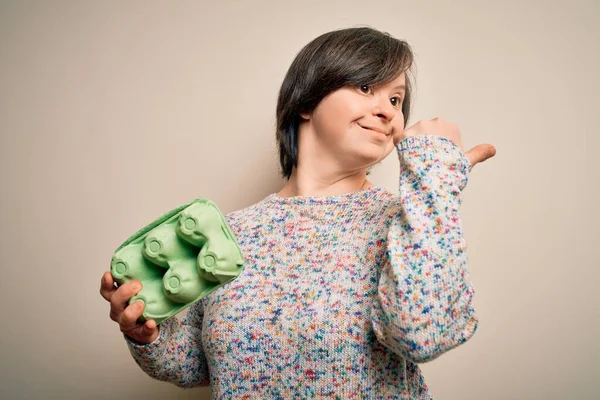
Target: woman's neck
x=304, y=185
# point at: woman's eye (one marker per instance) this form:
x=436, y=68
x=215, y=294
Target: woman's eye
x=396, y=101
x=365, y=89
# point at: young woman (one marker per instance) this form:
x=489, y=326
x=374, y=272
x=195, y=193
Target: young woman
x=346, y=287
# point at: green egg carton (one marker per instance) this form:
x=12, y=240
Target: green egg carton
x=180, y=258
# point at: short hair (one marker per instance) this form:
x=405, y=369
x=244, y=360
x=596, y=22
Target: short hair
x=352, y=56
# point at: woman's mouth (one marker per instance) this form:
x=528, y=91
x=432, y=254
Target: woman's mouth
x=375, y=130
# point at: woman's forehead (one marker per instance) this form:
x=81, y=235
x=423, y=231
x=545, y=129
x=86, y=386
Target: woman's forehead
x=398, y=83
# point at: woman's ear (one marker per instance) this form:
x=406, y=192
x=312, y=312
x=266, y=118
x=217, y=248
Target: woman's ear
x=305, y=116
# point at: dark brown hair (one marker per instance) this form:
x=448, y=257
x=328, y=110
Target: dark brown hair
x=352, y=56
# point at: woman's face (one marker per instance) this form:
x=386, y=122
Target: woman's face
x=356, y=125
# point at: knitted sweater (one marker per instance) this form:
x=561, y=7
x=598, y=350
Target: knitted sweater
x=340, y=297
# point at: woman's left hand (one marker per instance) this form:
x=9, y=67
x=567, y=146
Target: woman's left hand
x=439, y=127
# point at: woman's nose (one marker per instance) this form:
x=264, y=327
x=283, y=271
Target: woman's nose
x=385, y=109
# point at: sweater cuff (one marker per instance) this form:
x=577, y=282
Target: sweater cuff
x=436, y=148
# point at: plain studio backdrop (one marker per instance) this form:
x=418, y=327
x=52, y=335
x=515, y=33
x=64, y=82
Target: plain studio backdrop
x=112, y=113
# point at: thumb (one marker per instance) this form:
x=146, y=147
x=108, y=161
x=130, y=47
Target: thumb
x=480, y=153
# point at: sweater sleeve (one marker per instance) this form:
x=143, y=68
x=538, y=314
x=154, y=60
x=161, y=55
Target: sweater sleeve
x=424, y=304
x=177, y=355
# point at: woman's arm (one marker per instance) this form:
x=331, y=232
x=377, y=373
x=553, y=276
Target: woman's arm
x=424, y=305
x=176, y=356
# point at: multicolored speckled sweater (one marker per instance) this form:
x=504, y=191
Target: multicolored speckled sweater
x=341, y=296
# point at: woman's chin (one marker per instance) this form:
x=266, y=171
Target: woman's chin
x=366, y=159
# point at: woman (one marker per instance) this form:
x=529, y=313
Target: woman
x=346, y=287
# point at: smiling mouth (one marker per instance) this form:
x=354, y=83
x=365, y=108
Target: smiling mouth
x=376, y=131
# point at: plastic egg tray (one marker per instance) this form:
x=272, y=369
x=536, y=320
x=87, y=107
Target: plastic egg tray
x=180, y=258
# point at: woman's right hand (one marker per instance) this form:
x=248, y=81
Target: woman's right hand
x=440, y=127
x=127, y=315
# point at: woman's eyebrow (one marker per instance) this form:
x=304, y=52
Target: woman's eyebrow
x=403, y=87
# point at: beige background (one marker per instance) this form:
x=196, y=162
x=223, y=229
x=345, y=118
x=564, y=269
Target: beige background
x=114, y=112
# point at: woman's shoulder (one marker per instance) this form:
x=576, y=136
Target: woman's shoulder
x=254, y=212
